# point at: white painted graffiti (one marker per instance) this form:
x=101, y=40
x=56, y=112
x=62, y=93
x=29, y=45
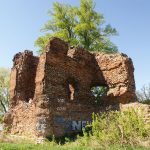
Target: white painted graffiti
x=61, y=108
x=61, y=100
x=78, y=125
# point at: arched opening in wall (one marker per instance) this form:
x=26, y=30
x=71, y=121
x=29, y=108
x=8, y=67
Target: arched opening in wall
x=71, y=88
x=98, y=92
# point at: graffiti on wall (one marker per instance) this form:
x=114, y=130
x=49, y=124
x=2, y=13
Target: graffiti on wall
x=41, y=124
x=70, y=125
x=78, y=125
x=61, y=101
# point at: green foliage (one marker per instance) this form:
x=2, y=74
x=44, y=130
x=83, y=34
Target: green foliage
x=89, y=30
x=145, y=102
x=115, y=127
x=78, y=25
x=61, y=25
x=4, y=86
x=1, y=119
x=98, y=92
x=143, y=94
x=42, y=41
x=23, y=146
x=45, y=146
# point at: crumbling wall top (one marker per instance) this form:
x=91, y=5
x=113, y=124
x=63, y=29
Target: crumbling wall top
x=57, y=46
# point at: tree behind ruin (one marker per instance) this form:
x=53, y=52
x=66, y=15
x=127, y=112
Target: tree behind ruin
x=78, y=26
x=4, y=85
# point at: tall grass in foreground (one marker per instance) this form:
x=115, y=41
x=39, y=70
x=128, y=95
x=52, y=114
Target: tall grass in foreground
x=113, y=130
x=13, y=146
x=117, y=127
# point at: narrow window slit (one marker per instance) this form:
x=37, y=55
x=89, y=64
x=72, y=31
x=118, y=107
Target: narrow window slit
x=71, y=92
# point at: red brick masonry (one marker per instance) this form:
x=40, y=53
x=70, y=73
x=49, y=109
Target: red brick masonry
x=51, y=94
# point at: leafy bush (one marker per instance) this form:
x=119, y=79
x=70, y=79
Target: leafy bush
x=98, y=92
x=145, y=102
x=117, y=127
x=1, y=118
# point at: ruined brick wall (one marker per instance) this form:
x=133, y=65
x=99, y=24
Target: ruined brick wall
x=20, y=117
x=51, y=94
x=117, y=70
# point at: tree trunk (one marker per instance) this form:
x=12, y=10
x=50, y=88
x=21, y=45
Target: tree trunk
x=3, y=106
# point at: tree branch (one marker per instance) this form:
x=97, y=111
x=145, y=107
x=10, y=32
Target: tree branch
x=3, y=106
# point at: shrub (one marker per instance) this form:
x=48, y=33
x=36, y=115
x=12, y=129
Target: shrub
x=1, y=119
x=117, y=127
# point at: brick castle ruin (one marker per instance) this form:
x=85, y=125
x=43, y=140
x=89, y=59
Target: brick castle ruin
x=51, y=94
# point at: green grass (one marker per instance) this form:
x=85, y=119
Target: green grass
x=113, y=130
x=13, y=146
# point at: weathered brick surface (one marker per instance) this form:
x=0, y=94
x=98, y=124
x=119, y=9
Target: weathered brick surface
x=51, y=94
x=117, y=70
